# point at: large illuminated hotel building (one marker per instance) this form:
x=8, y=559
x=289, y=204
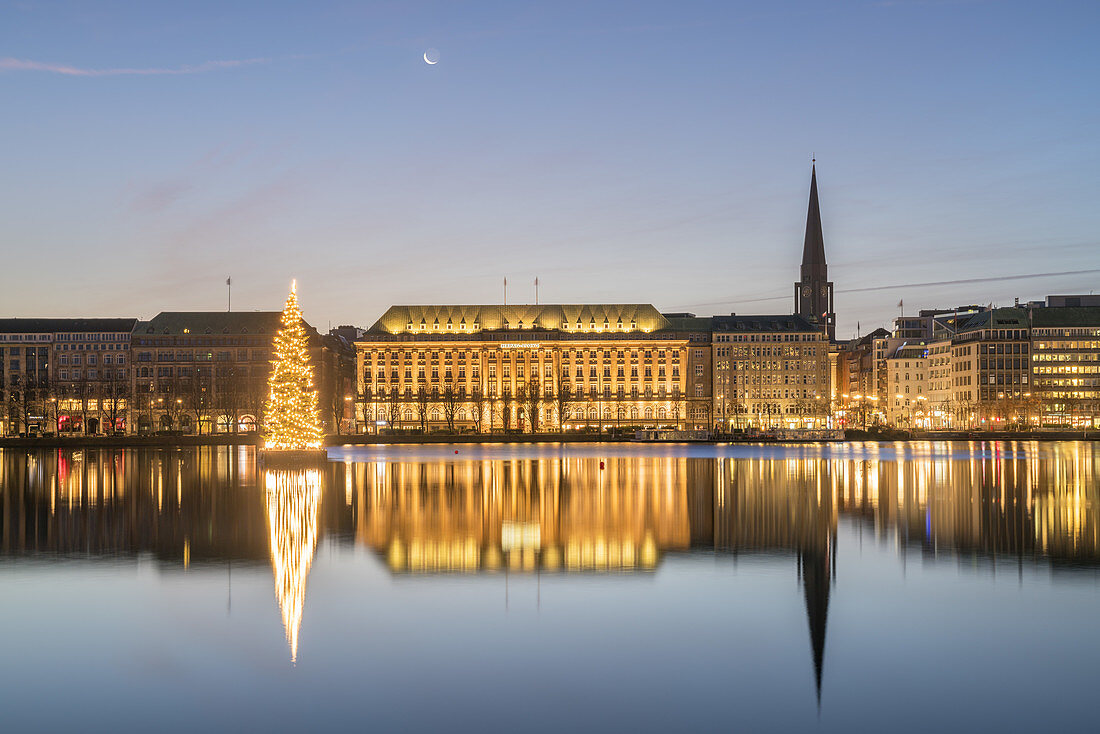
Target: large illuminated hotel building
x=547, y=367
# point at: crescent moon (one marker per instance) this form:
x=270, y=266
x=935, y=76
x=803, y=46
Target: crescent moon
x=429, y=61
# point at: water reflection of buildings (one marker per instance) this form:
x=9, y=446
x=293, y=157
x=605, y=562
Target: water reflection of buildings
x=1034, y=504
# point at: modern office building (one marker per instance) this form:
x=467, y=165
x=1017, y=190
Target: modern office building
x=1065, y=366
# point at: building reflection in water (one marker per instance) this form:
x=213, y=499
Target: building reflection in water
x=1030, y=503
x=292, y=499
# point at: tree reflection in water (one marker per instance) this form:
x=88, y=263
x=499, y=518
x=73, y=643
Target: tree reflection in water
x=292, y=499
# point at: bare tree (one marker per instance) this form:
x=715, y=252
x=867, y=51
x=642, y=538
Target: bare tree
x=507, y=401
x=422, y=408
x=82, y=392
x=232, y=389
x=198, y=397
x=22, y=401
x=393, y=405
x=335, y=402
x=563, y=397
x=529, y=403
x=451, y=401
x=477, y=400
x=255, y=394
x=171, y=402
x=112, y=392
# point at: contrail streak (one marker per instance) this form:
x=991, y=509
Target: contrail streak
x=928, y=284
x=11, y=64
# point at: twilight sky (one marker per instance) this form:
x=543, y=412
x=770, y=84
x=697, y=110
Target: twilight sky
x=635, y=151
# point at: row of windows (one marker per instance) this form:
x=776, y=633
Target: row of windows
x=567, y=391
x=768, y=337
x=91, y=347
x=91, y=337
x=435, y=414
x=202, y=342
x=188, y=371
x=774, y=380
x=75, y=359
x=579, y=354
x=1093, y=357
x=241, y=355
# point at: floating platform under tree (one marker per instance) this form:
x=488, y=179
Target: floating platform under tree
x=292, y=458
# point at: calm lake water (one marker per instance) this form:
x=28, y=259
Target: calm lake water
x=849, y=587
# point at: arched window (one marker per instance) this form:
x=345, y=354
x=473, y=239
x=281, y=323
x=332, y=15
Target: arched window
x=649, y=414
x=407, y=415
x=662, y=413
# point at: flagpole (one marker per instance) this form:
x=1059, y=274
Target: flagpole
x=229, y=296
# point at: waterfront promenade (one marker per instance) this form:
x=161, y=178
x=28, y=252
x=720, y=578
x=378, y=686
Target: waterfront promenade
x=254, y=439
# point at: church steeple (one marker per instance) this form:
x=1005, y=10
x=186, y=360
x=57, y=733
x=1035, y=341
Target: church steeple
x=813, y=251
x=813, y=293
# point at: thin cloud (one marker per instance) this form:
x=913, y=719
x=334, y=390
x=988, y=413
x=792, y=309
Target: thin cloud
x=8, y=63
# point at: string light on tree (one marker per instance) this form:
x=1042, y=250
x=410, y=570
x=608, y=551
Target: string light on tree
x=291, y=417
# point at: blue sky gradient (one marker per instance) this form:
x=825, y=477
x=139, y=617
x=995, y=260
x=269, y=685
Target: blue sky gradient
x=638, y=151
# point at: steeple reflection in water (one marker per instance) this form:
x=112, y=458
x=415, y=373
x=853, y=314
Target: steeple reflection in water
x=292, y=499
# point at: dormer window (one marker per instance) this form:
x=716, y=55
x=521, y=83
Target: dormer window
x=476, y=326
x=449, y=325
x=409, y=326
x=633, y=325
x=619, y=325
x=435, y=325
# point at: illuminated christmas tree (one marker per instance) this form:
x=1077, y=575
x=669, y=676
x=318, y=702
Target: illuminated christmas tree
x=291, y=419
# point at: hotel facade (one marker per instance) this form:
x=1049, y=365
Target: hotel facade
x=526, y=368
